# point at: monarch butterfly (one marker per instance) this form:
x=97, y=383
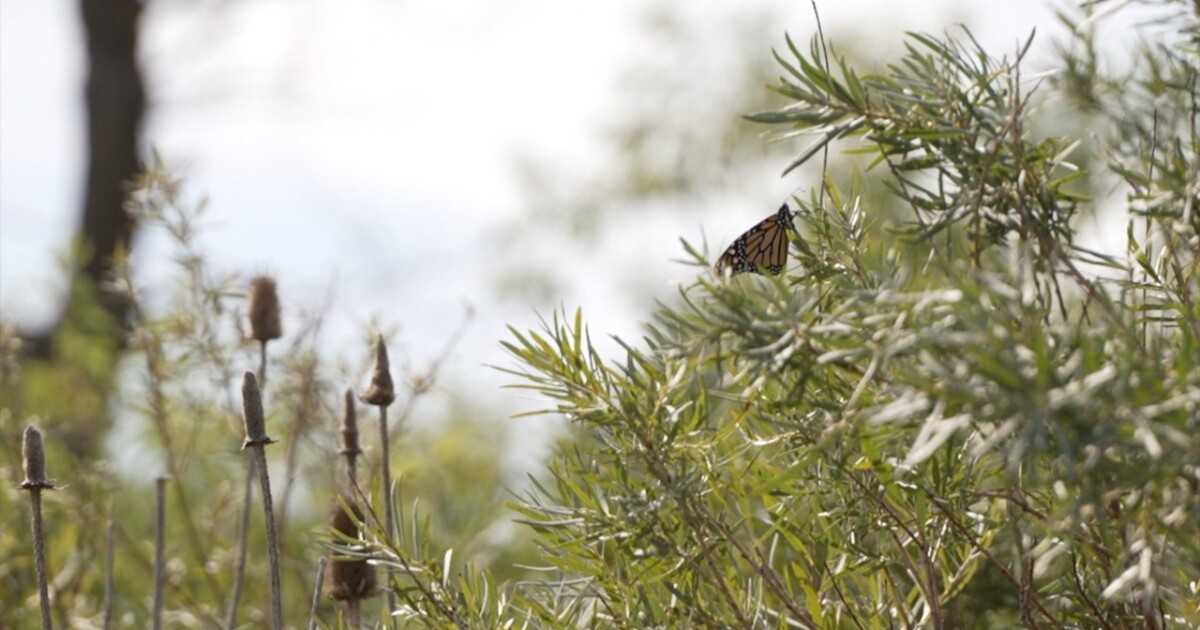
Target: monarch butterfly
x=763, y=247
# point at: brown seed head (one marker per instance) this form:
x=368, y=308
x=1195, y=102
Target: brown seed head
x=348, y=579
x=263, y=306
x=349, y=425
x=34, y=457
x=381, y=392
x=252, y=412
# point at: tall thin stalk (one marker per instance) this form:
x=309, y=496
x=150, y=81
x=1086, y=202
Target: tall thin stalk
x=34, y=461
x=239, y=575
x=382, y=392
x=262, y=363
x=160, y=521
x=256, y=440
x=109, y=545
x=266, y=323
x=316, y=596
x=388, y=517
x=350, y=448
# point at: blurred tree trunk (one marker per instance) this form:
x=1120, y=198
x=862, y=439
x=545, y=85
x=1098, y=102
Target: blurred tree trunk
x=69, y=380
x=116, y=101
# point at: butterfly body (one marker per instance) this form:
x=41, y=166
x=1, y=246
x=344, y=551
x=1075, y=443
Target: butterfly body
x=761, y=249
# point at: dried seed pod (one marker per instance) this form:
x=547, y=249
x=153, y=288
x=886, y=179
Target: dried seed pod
x=34, y=460
x=381, y=392
x=252, y=411
x=348, y=580
x=349, y=426
x=263, y=306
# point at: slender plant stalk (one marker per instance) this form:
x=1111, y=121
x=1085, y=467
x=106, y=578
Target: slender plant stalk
x=109, y=545
x=243, y=538
x=350, y=581
x=264, y=314
x=350, y=448
x=388, y=525
x=316, y=596
x=34, y=460
x=39, y=550
x=160, y=554
x=264, y=326
x=256, y=440
x=382, y=392
x=262, y=363
x=272, y=538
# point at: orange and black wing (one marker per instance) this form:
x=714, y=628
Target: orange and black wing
x=763, y=248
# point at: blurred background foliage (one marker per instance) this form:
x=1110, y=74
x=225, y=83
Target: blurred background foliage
x=677, y=139
x=173, y=407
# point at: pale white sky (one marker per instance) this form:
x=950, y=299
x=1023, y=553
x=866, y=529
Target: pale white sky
x=367, y=144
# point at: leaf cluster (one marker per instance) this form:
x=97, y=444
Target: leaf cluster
x=949, y=420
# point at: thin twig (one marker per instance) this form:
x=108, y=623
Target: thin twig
x=39, y=550
x=381, y=392
x=272, y=538
x=958, y=525
x=316, y=596
x=34, y=462
x=139, y=560
x=388, y=508
x=243, y=536
x=349, y=432
x=256, y=440
x=829, y=73
x=108, y=569
x=160, y=553
x=262, y=364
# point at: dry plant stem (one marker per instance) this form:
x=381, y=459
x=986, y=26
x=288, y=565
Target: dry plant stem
x=349, y=430
x=256, y=440
x=39, y=551
x=387, y=472
x=381, y=392
x=260, y=461
x=354, y=613
x=33, y=458
x=108, y=569
x=142, y=560
x=316, y=596
x=151, y=346
x=262, y=364
x=388, y=526
x=243, y=536
x=160, y=491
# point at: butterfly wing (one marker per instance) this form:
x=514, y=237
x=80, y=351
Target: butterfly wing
x=761, y=249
